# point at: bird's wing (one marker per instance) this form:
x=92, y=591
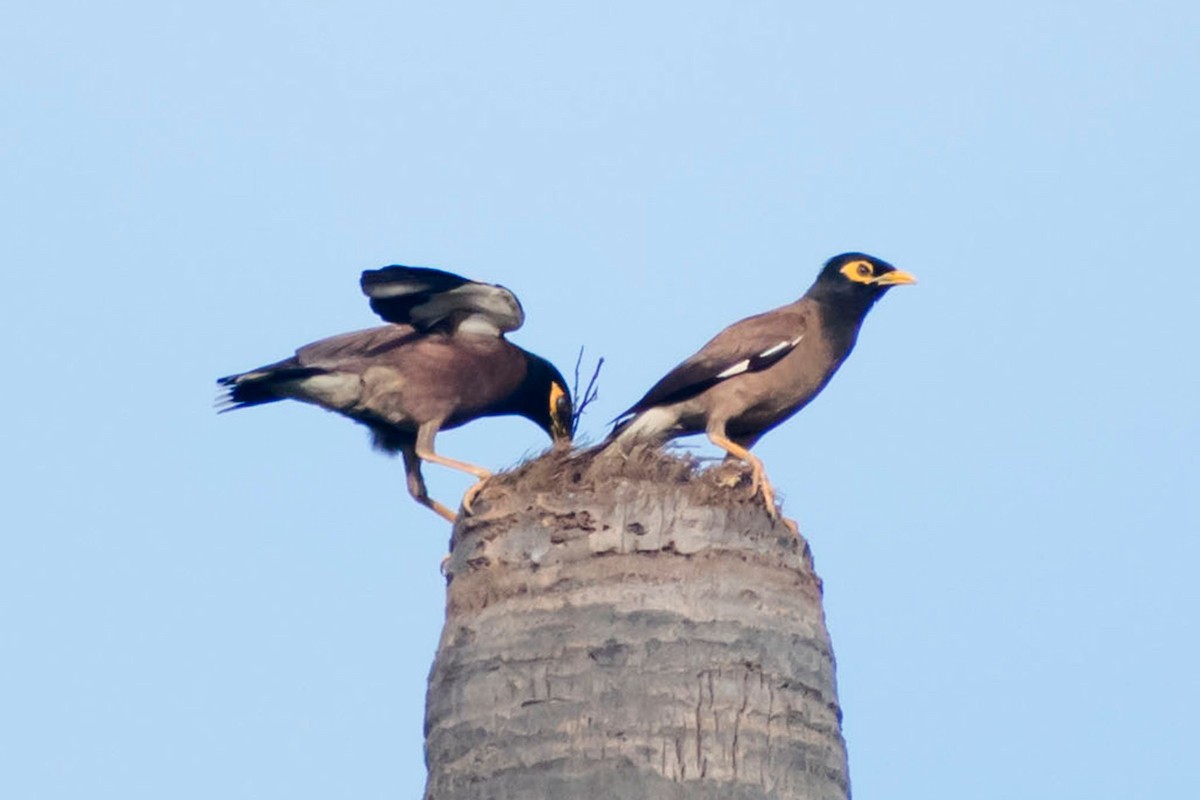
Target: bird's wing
x=750, y=345
x=326, y=372
x=352, y=351
x=427, y=298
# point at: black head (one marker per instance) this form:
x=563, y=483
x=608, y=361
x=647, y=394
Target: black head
x=854, y=281
x=546, y=399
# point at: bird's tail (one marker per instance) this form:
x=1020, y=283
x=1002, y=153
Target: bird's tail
x=259, y=386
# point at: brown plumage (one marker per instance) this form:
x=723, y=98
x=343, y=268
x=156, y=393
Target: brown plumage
x=760, y=371
x=442, y=362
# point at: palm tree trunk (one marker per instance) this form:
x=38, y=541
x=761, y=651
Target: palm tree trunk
x=631, y=630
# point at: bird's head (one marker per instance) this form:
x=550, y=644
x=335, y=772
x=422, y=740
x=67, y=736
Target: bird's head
x=857, y=280
x=562, y=420
x=858, y=272
x=548, y=400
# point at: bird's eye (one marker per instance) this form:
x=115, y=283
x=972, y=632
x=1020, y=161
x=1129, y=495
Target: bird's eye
x=558, y=398
x=864, y=269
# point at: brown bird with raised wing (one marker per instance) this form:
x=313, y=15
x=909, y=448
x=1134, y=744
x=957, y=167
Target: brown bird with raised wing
x=442, y=362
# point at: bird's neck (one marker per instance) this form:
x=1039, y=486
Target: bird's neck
x=532, y=398
x=841, y=317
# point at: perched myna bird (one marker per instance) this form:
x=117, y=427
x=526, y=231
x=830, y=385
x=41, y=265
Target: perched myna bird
x=442, y=362
x=758, y=372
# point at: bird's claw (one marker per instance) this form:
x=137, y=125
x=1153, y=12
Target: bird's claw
x=760, y=485
x=471, y=493
x=768, y=493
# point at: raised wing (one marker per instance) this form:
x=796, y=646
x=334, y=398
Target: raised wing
x=750, y=345
x=429, y=298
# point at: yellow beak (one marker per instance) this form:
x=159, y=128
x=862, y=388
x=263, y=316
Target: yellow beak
x=894, y=278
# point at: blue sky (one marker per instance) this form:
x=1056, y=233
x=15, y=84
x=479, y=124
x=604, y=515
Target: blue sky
x=999, y=487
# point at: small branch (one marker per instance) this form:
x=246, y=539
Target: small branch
x=589, y=394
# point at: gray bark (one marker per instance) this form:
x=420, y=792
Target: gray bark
x=636, y=631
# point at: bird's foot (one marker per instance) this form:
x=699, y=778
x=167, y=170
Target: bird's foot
x=472, y=492
x=734, y=474
x=760, y=485
x=768, y=493
x=772, y=510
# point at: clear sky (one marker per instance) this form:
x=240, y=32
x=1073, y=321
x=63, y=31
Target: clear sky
x=1000, y=487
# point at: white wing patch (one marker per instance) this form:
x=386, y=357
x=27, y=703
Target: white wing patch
x=489, y=309
x=395, y=288
x=477, y=323
x=770, y=351
x=425, y=297
x=778, y=349
x=736, y=369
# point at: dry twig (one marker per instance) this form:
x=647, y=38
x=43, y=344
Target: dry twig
x=582, y=401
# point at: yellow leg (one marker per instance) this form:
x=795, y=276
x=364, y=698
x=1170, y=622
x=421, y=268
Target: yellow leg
x=439, y=509
x=462, y=466
x=416, y=487
x=758, y=474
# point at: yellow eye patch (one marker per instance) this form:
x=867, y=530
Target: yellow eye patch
x=860, y=271
x=556, y=392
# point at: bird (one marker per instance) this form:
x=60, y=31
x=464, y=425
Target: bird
x=440, y=362
x=759, y=371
